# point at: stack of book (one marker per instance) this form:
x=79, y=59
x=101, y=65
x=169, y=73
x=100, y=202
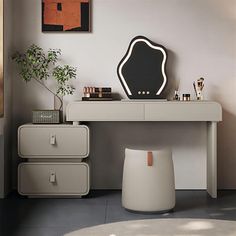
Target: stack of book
x=97, y=94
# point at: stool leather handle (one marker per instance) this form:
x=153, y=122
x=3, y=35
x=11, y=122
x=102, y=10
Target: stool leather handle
x=149, y=159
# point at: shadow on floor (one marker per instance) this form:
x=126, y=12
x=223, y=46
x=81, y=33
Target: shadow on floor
x=49, y=217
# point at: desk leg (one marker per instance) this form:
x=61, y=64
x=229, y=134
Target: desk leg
x=212, y=159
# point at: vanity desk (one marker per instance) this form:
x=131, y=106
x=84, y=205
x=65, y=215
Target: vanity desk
x=170, y=111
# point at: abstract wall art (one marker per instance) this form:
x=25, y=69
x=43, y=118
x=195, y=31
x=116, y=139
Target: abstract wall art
x=66, y=15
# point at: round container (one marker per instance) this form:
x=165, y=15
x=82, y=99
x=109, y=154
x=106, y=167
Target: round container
x=186, y=97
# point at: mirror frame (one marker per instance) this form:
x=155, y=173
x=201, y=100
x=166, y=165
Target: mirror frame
x=128, y=54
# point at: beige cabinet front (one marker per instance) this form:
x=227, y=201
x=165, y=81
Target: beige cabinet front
x=53, y=141
x=53, y=179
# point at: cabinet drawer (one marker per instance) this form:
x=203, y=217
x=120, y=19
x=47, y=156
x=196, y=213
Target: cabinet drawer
x=53, y=141
x=53, y=179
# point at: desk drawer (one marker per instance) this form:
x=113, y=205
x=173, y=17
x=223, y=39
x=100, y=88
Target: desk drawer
x=53, y=141
x=183, y=111
x=53, y=179
x=105, y=111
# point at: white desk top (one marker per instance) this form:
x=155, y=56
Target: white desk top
x=129, y=110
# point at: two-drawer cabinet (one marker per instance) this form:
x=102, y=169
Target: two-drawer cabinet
x=56, y=160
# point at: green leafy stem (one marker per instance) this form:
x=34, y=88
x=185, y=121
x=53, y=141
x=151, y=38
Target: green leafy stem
x=40, y=66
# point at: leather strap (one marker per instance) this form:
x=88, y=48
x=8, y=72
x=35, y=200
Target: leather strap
x=149, y=159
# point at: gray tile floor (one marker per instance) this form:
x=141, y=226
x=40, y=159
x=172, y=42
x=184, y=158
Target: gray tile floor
x=55, y=217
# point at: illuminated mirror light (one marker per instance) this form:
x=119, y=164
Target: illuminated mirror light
x=127, y=57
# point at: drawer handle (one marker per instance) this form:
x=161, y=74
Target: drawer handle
x=52, y=178
x=52, y=139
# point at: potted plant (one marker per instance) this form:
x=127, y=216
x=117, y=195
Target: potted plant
x=40, y=66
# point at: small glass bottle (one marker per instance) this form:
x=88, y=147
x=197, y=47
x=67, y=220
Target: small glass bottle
x=176, y=97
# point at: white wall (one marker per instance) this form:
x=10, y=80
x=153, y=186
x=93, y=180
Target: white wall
x=200, y=37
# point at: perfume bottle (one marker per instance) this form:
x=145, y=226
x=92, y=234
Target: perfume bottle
x=176, y=96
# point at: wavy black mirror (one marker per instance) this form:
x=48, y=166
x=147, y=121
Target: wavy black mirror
x=142, y=69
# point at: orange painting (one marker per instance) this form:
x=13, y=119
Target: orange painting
x=66, y=15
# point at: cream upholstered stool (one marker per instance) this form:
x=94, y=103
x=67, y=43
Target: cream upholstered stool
x=148, y=181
